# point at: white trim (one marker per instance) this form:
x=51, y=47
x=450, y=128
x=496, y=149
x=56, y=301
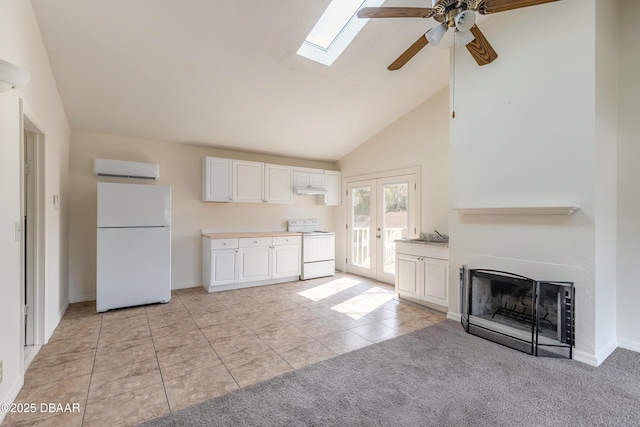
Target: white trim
x=385, y=174
x=177, y=286
x=81, y=298
x=595, y=359
x=51, y=326
x=454, y=316
x=242, y=285
x=584, y=357
x=12, y=394
x=518, y=210
x=28, y=124
x=606, y=351
x=629, y=345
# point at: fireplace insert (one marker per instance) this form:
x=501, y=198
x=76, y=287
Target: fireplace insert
x=535, y=317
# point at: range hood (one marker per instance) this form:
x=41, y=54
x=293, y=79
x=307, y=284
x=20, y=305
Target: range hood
x=309, y=190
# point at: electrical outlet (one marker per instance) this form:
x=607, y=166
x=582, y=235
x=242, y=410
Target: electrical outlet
x=0, y=371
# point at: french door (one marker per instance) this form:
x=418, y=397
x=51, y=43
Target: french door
x=381, y=211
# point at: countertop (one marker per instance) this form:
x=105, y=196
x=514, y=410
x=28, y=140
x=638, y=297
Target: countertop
x=424, y=242
x=251, y=234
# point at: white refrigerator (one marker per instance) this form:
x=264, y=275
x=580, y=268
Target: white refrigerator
x=133, y=245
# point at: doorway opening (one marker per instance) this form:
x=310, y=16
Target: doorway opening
x=32, y=241
x=381, y=210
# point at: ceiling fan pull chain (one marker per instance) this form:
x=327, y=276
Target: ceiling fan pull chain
x=453, y=80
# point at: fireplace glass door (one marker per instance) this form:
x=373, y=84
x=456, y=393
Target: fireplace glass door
x=528, y=315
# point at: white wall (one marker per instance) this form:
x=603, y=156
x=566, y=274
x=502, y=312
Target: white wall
x=628, y=292
x=606, y=178
x=180, y=167
x=419, y=138
x=525, y=134
x=22, y=45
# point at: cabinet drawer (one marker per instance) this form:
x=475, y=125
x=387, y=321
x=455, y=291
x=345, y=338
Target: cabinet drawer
x=287, y=240
x=224, y=244
x=250, y=242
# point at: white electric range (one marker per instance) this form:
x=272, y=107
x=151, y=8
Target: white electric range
x=318, y=248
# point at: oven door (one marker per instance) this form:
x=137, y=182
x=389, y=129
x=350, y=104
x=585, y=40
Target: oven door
x=318, y=247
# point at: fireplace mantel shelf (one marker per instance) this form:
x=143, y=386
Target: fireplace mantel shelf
x=519, y=210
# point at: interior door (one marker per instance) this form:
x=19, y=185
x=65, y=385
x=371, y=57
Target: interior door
x=381, y=211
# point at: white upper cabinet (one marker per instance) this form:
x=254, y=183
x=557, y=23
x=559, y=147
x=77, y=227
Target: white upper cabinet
x=277, y=184
x=230, y=180
x=248, y=181
x=308, y=178
x=333, y=184
x=217, y=177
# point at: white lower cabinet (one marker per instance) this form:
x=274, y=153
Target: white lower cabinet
x=286, y=256
x=219, y=262
x=240, y=262
x=408, y=275
x=254, y=263
x=435, y=281
x=224, y=269
x=422, y=273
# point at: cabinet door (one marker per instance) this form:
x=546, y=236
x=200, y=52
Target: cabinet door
x=408, y=275
x=300, y=179
x=333, y=184
x=286, y=261
x=247, y=181
x=307, y=177
x=254, y=263
x=277, y=184
x=435, y=281
x=217, y=177
x=224, y=267
x=316, y=179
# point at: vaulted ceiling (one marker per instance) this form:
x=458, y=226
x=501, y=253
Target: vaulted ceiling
x=226, y=73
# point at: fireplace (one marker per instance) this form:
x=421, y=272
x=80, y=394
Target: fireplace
x=536, y=317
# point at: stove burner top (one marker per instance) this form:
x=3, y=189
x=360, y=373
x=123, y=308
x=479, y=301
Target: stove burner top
x=305, y=226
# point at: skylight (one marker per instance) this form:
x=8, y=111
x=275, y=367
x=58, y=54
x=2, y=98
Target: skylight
x=335, y=30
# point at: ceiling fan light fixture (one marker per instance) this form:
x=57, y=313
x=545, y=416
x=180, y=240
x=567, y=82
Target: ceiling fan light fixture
x=463, y=38
x=465, y=20
x=12, y=76
x=435, y=35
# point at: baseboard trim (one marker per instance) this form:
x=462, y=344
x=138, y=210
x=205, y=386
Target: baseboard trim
x=51, y=327
x=629, y=345
x=82, y=298
x=175, y=287
x=585, y=357
x=595, y=359
x=454, y=316
x=602, y=355
x=12, y=394
x=242, y=285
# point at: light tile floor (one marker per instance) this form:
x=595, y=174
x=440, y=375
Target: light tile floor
x=130, y=365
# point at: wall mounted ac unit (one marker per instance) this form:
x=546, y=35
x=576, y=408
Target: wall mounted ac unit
x=123, y=169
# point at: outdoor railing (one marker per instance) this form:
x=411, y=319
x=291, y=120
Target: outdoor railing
x=361, y=254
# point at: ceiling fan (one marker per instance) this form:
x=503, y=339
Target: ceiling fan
x=457, y=14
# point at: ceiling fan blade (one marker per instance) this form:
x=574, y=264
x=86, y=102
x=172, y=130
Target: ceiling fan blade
x=495, y=6
x=409, y=53
x=480, y=48
x=395, y=12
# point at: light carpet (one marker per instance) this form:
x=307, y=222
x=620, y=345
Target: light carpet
x=438, y=376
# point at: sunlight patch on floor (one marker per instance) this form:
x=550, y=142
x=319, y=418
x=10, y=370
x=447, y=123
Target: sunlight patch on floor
x=328, y=289
x=363, y=304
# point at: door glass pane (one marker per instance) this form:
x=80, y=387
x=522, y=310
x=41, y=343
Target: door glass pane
x=361, y=227
x=395, y=221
